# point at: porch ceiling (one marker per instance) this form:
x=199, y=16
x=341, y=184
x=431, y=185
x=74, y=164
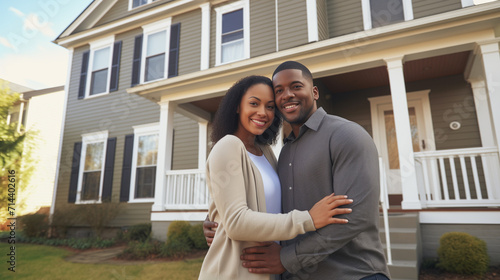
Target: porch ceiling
x=414, y=70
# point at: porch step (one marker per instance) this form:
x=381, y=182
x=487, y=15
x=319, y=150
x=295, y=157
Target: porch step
x=403, y=270
x=404, y=236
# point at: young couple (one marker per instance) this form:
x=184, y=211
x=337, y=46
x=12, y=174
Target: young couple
x=323, y=154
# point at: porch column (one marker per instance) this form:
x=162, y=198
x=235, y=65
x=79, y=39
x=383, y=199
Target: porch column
x=483, y=113
x=164, y=161
x=403, y=134
x=202, y=144
x=491, y=61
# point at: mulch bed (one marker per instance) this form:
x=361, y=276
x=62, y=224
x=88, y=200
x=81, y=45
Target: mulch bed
x=436, y=274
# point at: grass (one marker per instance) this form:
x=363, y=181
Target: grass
x=46, y=262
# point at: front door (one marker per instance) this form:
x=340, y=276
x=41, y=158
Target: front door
x=384, y=133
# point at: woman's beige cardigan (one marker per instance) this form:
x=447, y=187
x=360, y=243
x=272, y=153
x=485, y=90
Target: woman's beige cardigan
x=237, y=205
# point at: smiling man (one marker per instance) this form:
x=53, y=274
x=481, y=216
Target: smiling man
x=323, y=154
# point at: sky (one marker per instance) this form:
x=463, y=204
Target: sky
x=27, y=28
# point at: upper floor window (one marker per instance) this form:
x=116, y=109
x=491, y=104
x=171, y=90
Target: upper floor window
x=156, y=52
x=137, y=3
x=100, y=67
x=377, y=13
x=233, y=29
x=92, y=167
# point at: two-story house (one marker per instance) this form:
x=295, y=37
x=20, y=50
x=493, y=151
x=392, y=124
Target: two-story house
x=422, y=77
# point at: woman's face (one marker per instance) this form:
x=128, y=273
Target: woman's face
x=256, y=110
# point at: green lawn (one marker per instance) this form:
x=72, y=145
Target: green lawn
x=46, y=262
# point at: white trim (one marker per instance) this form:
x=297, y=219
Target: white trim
x=312, y=21
x=140, y=130
x=465, y=218
x=205, y=36
x=202, y=144
x=242, y=4
x=483, y=113
x=467, y=3
x=367, y=15
x=178, y=216
x=150, y=29
x=98, y=45
x=91, y=138
x=61, y=133
x=90, y=9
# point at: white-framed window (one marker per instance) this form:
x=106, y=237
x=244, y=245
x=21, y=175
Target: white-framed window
x=91, y=172
x=155, y=51
x=377, y=13
x=233, y=32
x=144, y=159
x=99, y=75
x=132, y=4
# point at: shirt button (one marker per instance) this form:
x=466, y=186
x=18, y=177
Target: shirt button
x=290, y=188
x=290, y=164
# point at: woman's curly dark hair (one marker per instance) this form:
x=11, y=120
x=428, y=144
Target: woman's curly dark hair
x=226, y=118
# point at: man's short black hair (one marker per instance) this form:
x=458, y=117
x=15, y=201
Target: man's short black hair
x=294, y=65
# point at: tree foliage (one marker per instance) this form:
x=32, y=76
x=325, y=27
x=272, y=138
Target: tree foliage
x=15, y=147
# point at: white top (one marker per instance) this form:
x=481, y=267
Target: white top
x=272, y=186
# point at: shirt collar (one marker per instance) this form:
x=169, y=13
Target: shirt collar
x=312, y=123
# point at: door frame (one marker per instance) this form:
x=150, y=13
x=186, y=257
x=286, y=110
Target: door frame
x=417, y=99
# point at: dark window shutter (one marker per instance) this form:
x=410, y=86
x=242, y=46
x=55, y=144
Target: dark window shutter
x=127, y=167
x=83, y=74
x=75, y=169
x=173, y=59
x=115, y=66
x=136, y=62
x=108, y=170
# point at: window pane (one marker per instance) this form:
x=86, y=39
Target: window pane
x=232, y=51
x=137, y=3
x=145, y=182
x=99, y=81
x=90, y=185
x=157, y=43
x=94, y=157
x=155, y=67
x=101, y=59
x=392, y=144
x=232, y=21
x=148, y=150
x=14, y=117
x=385, y=12
x=233, y=36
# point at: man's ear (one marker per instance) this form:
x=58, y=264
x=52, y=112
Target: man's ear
x=315, y=93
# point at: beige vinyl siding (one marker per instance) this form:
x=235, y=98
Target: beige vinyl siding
x=120, y=10
x=292, y=23
x=344, y=17
x=185, y=150
x=424, y=8
x=431, y=233
x=262, y=28
x=190, y=41
x=322, y=12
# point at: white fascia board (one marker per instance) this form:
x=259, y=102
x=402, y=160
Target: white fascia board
x=460, y=217
x=116, y=24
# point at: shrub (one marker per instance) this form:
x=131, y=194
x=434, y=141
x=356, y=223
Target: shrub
x=140, y=232
x=178, y=243
x=63, y=218
x=141, y=250
x=462, y=253
x=34, y=225
x=98, y=216
x=197, y=238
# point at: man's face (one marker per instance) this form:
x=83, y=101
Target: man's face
x=295, y=96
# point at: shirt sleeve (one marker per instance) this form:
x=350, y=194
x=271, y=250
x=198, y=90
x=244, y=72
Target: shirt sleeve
x=227, y=183
x=355, y=174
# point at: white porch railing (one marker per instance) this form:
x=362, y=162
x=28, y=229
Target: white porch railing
x=186, y=190
x=459, y=178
